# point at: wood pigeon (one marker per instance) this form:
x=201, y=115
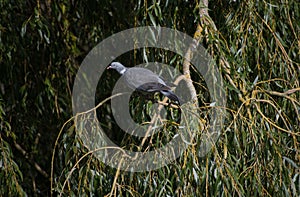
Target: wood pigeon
x=144, y=80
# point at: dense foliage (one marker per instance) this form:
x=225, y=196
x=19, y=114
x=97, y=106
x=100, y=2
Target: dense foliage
x=256, y=45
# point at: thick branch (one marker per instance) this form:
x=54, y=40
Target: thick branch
x=203, y=12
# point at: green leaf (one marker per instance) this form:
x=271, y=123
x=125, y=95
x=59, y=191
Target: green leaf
x=152, y=19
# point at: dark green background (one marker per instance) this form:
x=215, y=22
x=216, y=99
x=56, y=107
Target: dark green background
x=256, y=45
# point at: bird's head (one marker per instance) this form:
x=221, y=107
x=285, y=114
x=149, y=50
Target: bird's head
x=118, y=67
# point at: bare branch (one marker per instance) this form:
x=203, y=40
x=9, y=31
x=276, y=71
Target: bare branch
x=31, y=161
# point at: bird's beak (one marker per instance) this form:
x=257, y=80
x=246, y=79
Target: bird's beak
x=109, y=67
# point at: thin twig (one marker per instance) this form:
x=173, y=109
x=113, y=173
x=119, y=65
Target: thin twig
x=31, y=161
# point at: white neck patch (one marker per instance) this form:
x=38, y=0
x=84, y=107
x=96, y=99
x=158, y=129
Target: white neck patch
x=122, y=71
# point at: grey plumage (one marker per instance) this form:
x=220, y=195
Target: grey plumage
x=143, y=80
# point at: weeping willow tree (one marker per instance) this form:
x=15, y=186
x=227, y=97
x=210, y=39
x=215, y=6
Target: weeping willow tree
x=255, y=45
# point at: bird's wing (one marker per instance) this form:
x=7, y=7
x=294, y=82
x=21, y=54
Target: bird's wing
x=145, y=80
x=153, y=87
x=137, y=77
